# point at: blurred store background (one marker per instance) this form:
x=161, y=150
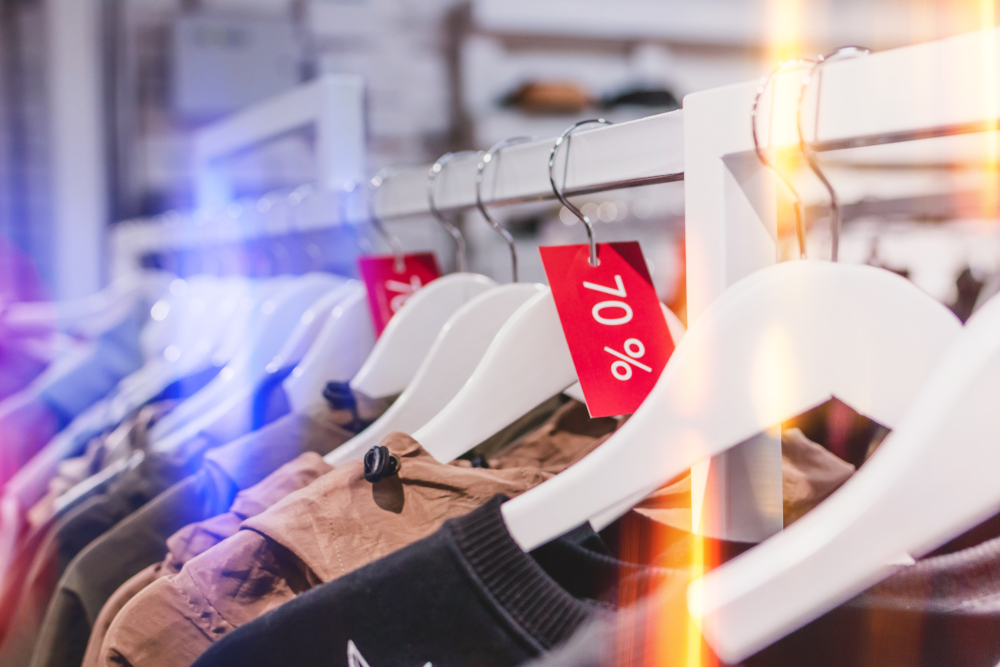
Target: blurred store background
x=100, y=101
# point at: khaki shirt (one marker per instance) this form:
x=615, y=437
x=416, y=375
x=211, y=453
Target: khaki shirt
x=334, y=526
x=198, y=538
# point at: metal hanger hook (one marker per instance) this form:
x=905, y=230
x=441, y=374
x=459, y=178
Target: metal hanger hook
x=594, y=261
x=800, y=227
x=391, y=239
x=486, y=159
x=807, y=151
x=449, y=226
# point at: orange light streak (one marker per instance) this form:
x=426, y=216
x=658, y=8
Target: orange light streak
x=990, y=196
x=784, y=36
x=693, y=657
x=784, y=43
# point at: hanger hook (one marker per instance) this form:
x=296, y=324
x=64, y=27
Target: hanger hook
x=487, y=158
x=391, y=239
x=800, y=227
x=594, y=261
x=807, y=151
x=449, y=226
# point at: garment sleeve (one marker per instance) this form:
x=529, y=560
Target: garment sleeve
x=115, y=354
x=110, y=610
x=170, y=623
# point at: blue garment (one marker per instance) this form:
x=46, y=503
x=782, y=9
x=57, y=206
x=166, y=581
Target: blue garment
x=269, y=400
x=79, y=434
x=32, y=417
x=187, y=386
x=115, y=354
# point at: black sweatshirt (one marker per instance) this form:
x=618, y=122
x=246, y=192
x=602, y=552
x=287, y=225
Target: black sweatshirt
x=466, y=595
x=944, y=611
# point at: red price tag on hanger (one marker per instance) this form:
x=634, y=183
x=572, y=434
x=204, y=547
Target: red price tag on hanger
x=613, y=323
x=389, y=286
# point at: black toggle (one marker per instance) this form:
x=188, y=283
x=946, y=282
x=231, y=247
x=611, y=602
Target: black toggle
x=380, y=463
x=339, y=396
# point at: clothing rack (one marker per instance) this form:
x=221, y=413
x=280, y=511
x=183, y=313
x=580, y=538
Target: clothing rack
x=730, y=201
x=731, y=213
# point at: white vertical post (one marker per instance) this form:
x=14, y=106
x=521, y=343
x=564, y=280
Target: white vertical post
x=340, y=143
x=731, y=231
x=333, y=105
x=80, y=205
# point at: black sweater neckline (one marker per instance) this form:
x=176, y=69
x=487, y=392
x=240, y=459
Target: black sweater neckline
x=532, y=597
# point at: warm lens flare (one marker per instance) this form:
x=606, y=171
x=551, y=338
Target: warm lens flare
x=692, y=646
x=784, y=30
x=772, y=385
x=990, y=193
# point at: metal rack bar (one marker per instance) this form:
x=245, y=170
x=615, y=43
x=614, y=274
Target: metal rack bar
x=639, y=152
x=936, y=89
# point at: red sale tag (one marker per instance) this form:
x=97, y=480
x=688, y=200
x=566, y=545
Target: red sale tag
x=613, y=323
x=389, y=285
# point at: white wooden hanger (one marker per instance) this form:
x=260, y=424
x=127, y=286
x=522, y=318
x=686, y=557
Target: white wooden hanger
x=945, y=441
x=783, y=340
x=458, y=348
x=341, y=347
x=92, y=315
x=201, y=321
x=780, y=341
x=526, y=364
x=279, y=316
x=174, y=314
x=169, y=323
x=232, y=415
x=308, y=329
x=247, y=316
x=412, y=330
x=453, y=357
x=249, y=297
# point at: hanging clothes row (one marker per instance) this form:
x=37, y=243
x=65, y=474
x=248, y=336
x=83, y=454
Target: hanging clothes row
x=406, y=468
